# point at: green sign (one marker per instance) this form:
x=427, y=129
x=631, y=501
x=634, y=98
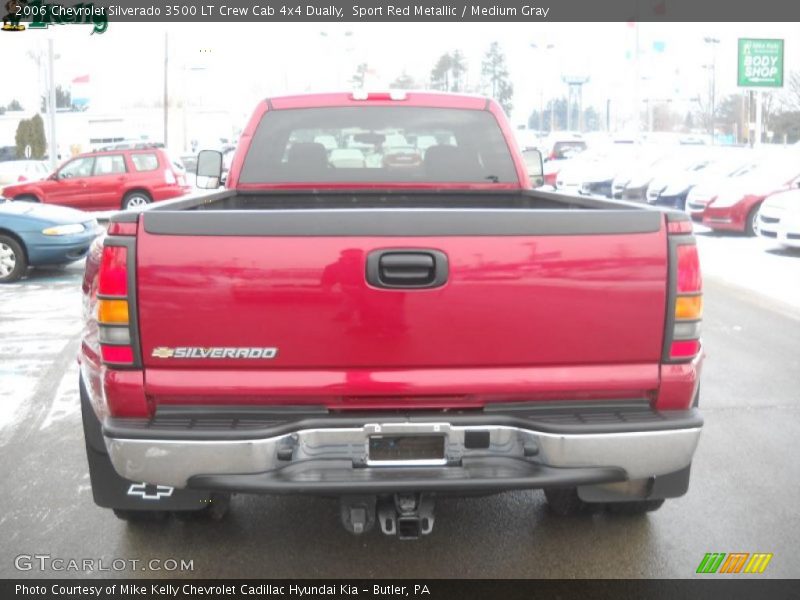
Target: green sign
x=760, y=63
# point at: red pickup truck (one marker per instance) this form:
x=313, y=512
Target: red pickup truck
x=385, y=332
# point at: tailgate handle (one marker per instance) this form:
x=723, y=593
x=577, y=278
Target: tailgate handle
x=407, y=269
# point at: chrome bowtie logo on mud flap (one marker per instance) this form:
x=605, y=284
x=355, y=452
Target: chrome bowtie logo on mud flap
x=214, y=353
x=147, y=491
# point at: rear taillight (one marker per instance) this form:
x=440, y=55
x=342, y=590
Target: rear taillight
x=688, y=306
x=116, y=334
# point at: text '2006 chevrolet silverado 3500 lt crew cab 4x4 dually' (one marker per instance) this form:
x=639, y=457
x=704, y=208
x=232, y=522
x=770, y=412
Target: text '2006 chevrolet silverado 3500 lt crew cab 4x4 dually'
x=388, y=331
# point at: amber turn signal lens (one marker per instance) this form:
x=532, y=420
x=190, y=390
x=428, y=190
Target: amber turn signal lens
x=688, y=307
x=112, y=311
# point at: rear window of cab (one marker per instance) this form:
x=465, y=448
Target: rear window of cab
x=437, y=145
x=144, y=161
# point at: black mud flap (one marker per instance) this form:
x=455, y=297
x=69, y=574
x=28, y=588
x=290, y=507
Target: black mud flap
x=671, y=485
x=112, y=491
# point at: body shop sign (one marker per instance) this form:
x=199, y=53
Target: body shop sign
x=760, y=63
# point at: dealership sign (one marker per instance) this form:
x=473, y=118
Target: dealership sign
x=760, y=63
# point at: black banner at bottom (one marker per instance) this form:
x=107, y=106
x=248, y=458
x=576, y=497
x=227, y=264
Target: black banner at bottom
x=434, y=589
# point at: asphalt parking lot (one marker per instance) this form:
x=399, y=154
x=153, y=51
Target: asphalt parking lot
x=743, y=496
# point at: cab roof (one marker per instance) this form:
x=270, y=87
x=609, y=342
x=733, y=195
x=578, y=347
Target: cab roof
x=383, y=98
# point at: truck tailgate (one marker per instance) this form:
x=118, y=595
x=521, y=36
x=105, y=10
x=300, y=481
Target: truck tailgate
x=518, y=311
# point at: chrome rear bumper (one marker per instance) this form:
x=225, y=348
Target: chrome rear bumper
x=174, y=462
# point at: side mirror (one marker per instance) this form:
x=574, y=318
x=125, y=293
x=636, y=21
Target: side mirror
x=209, y=169
x=535, y=166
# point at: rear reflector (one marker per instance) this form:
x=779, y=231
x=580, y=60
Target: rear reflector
x=113, y=278
x=684, y=348
x=117, y=354
x=113, y=312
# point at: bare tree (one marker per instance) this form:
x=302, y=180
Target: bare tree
x=790, y=96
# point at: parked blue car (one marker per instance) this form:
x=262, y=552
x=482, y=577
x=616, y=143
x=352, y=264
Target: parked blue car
x=33, y=234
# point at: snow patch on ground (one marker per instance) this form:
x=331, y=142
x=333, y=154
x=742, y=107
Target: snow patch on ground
x=67, y=401
x=38, y=317
x=756, y=264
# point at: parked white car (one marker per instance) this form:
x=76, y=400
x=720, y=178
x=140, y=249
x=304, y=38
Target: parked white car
x=779, y=218
x=347, y=158
x=19, y=171
x=592, y=171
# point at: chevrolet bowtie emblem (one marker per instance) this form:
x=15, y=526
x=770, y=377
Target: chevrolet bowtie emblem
x=150, y=492
x=163, y=352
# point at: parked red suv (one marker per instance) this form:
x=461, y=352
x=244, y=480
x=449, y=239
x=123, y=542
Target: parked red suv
x=107, y=180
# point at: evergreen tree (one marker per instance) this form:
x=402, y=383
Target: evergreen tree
x=63, y=99
x=496, y=77
x=403, y=82
x=440, y=74
x=458, y=68
x=360, y=76
x=38, y=139
x=23, y=137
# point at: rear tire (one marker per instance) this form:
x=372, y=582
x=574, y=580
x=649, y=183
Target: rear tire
x=13, y=262
x=565, y=502
x=136, y=200
x=751, y=224
x=215, y=511
x=140, y=516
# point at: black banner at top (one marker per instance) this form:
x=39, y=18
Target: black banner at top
x=42, y=12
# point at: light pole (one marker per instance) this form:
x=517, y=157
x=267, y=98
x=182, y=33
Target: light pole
x=713, y=42
x=545, y=49
x=187, y=96
x=51, y=109
x=166, y=89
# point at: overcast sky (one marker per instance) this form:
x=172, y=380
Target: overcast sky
x=237, y=64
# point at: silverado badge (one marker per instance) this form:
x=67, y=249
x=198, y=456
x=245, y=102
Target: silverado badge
x=214, y=352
